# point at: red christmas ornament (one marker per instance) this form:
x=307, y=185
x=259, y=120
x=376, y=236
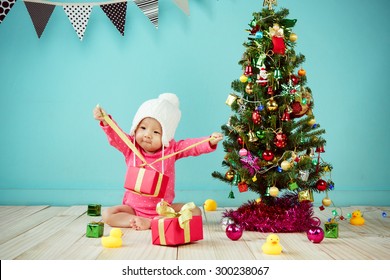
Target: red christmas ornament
x=296, y=107
x=286, y=116
x=256, y=117
x=270, y=91
x=320, y=149
x=248, y=71
x=268, y=155
x=321, y=185
x=280, y=140
x=294, y=79
x=242, y=187
x=240, y=141
x=255, y=29
x=234, y=232
x=315, y=234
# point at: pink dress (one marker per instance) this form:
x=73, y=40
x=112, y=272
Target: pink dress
x=145, y=206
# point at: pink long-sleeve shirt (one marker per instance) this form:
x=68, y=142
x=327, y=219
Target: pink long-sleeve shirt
x=146, y=205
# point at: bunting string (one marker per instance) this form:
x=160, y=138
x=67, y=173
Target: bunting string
x=78, y=14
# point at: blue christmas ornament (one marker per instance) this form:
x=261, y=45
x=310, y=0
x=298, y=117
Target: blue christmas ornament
x=259, y=35
x=384, y=214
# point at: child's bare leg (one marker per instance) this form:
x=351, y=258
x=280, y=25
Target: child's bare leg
x=196, y=211
x=125, y=217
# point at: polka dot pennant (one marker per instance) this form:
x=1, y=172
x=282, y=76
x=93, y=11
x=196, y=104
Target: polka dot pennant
x=150, y=9
x=78, y=16
x=40, y=15
x=5, y=7
x=116, y=12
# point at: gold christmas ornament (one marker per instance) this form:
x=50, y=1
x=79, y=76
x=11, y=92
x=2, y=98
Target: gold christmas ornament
x=252, y=136
x=312, y=121
x=272, y=105
x=243, y=79
x=229, y=175
x=285, y=165
x=293, y=37
x=326, y=201
x=326, y=168
x=273, y=191
x=249, y=88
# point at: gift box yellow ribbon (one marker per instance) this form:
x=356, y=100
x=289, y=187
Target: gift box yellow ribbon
x=184, y=216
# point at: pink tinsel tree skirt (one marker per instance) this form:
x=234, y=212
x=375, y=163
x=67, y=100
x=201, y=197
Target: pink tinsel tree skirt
x=283, y=214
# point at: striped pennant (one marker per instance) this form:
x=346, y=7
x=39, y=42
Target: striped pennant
x=150, y=9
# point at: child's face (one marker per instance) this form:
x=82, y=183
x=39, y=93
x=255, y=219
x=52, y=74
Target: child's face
x=148, y=135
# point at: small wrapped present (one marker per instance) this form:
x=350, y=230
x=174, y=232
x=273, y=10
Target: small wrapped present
x=146, y=181
x=305, y=195
x=94, y=210
x=176, y=228
x=95, y=229
x=231, y=99
x=293, y=186
x=331, y=229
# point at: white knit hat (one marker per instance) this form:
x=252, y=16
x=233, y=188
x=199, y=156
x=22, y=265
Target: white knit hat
x=165, y=109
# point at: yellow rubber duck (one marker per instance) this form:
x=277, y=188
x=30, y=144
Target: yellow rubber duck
x=114, y=240
x=272, y=246
x=357, y=219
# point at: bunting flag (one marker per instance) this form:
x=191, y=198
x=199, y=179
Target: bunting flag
x=5, y=7
x=116, y=12
x=40, y=15
x=79, y=17
x=150, y=9
x=40, y=12
x=183, y=5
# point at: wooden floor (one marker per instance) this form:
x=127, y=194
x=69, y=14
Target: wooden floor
x=58, y=233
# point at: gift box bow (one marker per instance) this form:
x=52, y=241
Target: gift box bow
x=184, y=215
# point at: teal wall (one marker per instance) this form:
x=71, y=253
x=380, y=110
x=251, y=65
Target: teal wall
x=53, y=151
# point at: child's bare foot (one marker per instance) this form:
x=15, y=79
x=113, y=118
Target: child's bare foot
x=140, y=223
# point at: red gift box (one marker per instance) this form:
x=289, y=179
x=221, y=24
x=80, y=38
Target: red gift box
x=146, y=182
x=167, y=231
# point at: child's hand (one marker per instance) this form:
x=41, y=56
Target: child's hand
x=98, y=114
x=215, y=138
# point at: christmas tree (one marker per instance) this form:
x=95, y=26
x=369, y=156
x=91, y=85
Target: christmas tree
x=273, y=143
